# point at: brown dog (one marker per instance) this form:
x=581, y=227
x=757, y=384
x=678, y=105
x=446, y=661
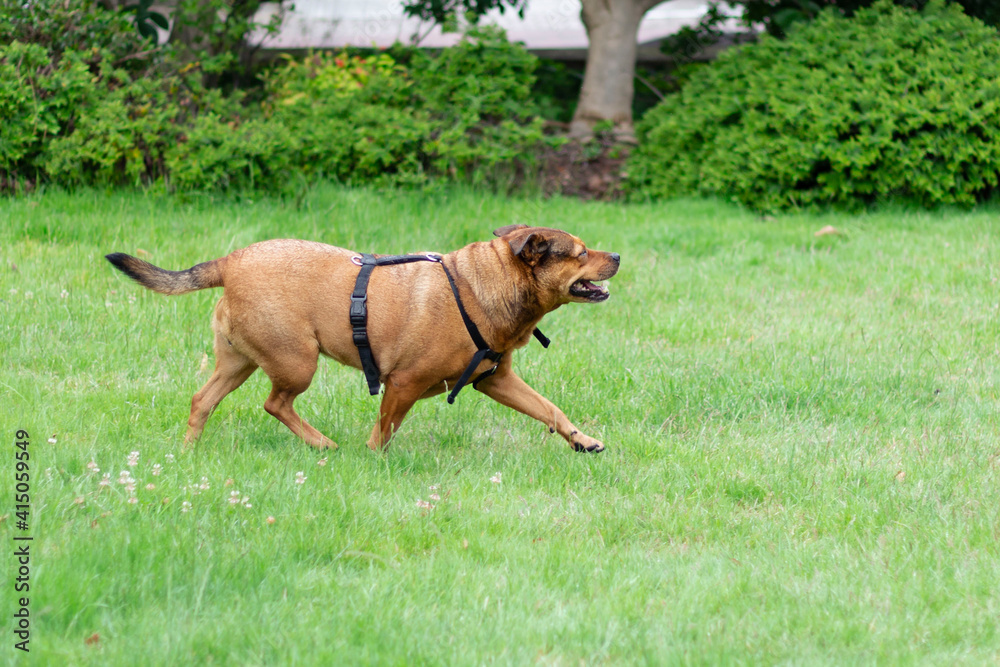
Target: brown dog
x=286, y=302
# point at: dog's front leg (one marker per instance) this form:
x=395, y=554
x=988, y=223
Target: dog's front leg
x=507, y=388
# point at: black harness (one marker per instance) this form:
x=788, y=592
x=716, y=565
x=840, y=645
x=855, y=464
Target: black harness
x=359, y=322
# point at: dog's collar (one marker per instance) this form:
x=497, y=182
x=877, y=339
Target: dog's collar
x=359, y=322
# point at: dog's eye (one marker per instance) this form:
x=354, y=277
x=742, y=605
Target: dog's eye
x=583, y=256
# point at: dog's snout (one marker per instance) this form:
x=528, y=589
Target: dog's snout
x=615, y=258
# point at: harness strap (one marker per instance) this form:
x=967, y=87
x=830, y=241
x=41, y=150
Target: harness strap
x=484, y=351
x=359, y=323
x=477, y=337
x=542, y=338
x=480, y=354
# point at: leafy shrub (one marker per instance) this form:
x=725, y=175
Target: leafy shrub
x=349, y=116
x=132, y=134
x=219, y=153
x=478, y=95
x=778, y=16
x=115, y=138
x=465, y=114
x=325, y=74
x=77, y=117
x=78, y=106
x=556, y=90
x=38, y=101
x=69, y=25
x=889, y=102
x=482, y=76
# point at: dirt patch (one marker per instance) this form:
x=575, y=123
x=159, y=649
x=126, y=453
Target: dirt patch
x=588, y=170
x=14, y=186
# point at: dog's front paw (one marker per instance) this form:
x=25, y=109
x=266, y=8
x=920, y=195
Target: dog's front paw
x=323, y=442
x=586, y=444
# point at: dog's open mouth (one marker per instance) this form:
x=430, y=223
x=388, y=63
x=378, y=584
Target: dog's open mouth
x=585, y=289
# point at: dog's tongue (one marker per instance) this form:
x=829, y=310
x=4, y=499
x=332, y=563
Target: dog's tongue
x=588, y=289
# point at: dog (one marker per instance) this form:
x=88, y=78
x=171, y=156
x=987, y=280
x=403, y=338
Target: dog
x=285, y=302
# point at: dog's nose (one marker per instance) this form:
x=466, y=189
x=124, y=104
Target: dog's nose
x=615, y=258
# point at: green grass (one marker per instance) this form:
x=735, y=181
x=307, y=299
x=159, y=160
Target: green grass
x=803, y=449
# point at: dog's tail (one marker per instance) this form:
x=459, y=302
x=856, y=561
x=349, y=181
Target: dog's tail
x=200, y=276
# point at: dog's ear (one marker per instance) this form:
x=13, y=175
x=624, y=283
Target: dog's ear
x=504, y=231
x=530, y=247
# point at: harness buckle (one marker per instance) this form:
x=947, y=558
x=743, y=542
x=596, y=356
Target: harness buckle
x=485, y=374
x=359, y=310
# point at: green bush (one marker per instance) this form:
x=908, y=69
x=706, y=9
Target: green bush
x=465, y=114
x=107, y=128
x=79, y=107
x=217, y=153
x=349, y=117
x=78, y=118
x=891, y=102
x=478, y=95
x=118, y=137
x=39, y=100
x=70, y=25
x=482, y=76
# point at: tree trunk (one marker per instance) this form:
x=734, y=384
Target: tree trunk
x=612, y=28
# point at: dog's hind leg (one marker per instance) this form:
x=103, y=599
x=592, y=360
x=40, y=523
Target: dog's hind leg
x=291, y=374
x=399, y=396
x=231, y=370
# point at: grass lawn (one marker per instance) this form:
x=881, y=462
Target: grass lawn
x=803, y=449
